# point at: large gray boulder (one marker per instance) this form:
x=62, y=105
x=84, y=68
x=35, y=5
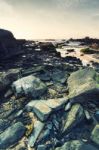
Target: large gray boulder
x=29, y=86
x=12, y=135
x=84, y=85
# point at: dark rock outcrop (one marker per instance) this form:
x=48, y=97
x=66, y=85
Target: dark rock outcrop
x=8, y=44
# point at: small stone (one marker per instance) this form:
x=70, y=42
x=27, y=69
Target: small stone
x=68, y=106
x=87, y=115
x=19, y=113
x=42, y=147
x=8, y=93
x=97, y=115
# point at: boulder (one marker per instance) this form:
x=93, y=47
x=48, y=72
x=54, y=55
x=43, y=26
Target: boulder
x=47, y=46
x=12, y=135
x=95, y=134
x=74, y=116
x=59, y=76
x=6, y=78
x=29, y=86
x=4, y=81
x=43, y=108
x=76, y=145
x=84, y=85
x=8, y=44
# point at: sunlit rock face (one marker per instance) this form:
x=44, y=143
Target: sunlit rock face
x=8, y=44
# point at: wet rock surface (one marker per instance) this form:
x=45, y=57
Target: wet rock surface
x=47, y=101
x=11, y=135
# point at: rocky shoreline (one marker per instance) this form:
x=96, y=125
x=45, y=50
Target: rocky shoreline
x=46, y=102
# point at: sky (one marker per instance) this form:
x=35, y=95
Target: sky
x=51, y=19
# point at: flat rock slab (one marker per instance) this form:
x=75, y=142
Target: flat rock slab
x=29, y=86
x=84, y=85
x=42, y=110
x=38, y=127
x=12, y=135
x=74, y=116
x=31, y=104
x=55, y=104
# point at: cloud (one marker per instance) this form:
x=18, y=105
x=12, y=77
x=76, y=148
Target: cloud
x=49, y=18
x=5, y=8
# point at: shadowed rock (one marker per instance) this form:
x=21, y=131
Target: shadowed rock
x=48, y=46
x=8, y=44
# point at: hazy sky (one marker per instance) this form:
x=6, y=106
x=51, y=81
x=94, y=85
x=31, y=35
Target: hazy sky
x=36, y=19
